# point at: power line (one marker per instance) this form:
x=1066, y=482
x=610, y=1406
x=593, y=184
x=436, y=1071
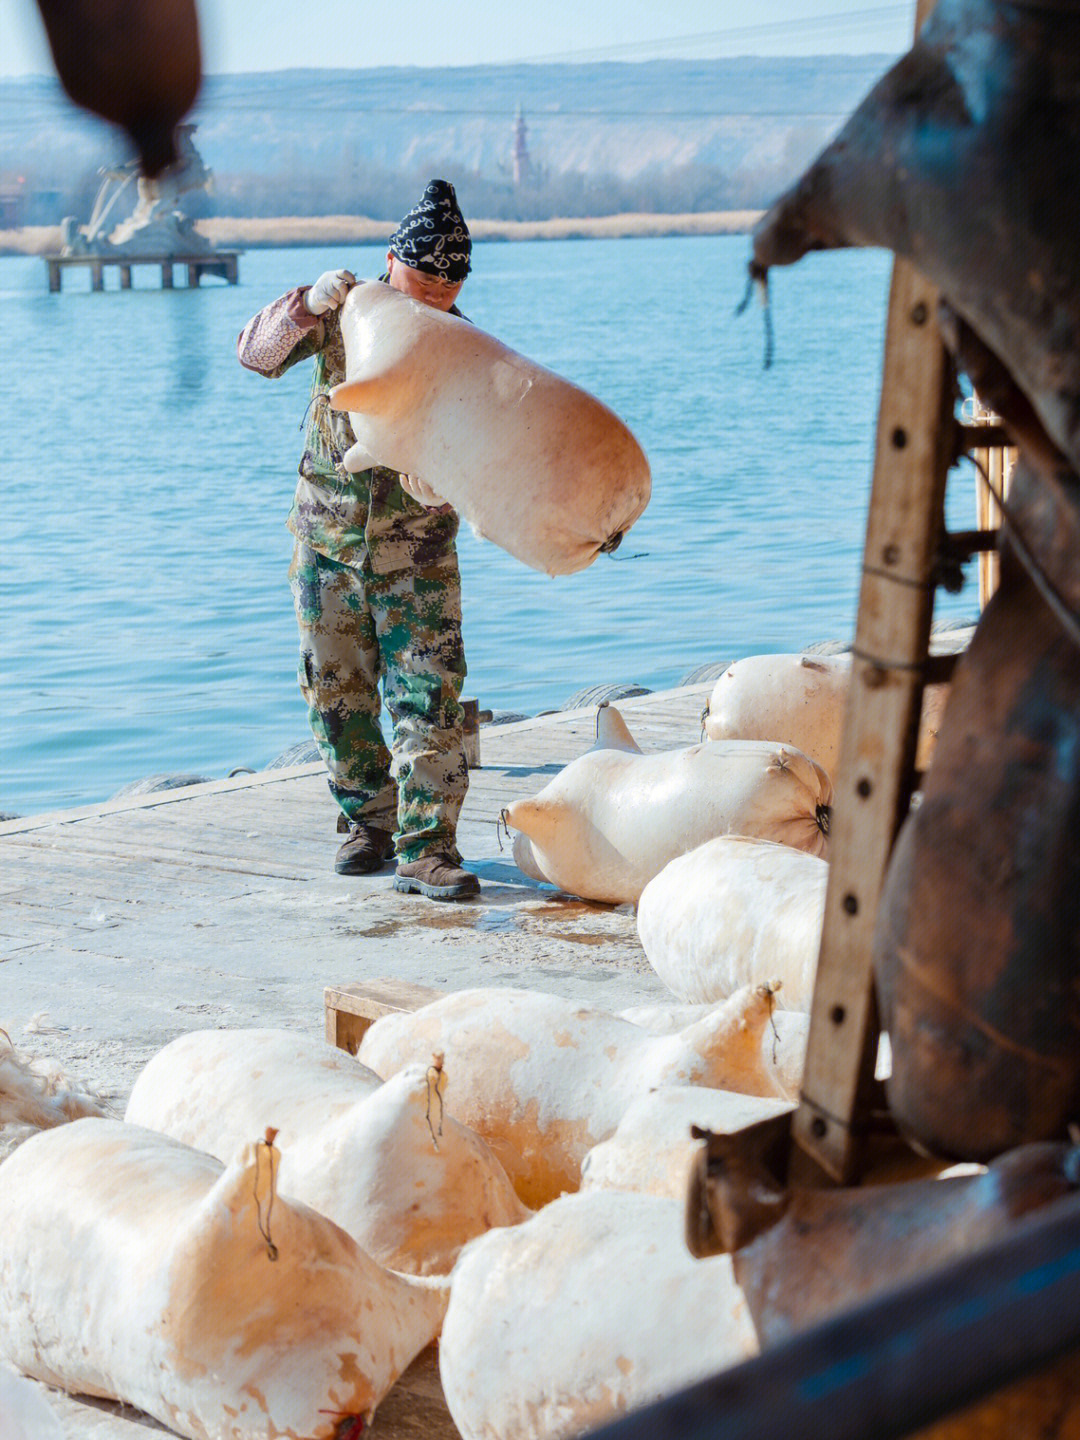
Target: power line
x=535, y=117
x=802, y=27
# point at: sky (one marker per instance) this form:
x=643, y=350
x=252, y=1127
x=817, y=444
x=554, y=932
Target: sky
x=244, y=35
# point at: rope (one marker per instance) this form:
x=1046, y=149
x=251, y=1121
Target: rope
x=772, y=1024
x=435, y=1069
x=323, y=396
x=759, y=277
x=264, y=1228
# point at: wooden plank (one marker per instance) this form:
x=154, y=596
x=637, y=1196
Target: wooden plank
x=876, y=769
x=996, y=464
x=142, y=855
x=350, y=1009
x=154, y=800
x=192, y=834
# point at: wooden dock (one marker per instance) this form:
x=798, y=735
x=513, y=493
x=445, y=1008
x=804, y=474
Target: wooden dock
x=124, y=924
x=223, y=263
x=217, y=904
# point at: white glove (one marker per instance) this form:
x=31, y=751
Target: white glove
x=329, y=291
x=420, y=490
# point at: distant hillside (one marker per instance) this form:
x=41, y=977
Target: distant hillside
x=665, y=135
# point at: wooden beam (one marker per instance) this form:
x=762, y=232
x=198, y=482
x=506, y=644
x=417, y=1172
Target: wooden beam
x=876, y=769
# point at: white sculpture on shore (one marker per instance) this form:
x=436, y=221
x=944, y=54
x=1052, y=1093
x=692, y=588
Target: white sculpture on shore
x=156, y=226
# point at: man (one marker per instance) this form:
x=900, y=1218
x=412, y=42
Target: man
x=376, y=586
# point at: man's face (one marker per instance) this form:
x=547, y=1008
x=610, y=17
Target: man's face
x=430, y=290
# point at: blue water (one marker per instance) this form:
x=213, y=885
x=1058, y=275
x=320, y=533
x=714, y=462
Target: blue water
x=145, y=479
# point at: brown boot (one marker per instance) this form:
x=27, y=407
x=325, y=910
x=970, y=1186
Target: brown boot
x=436, y=876
x=365, y=851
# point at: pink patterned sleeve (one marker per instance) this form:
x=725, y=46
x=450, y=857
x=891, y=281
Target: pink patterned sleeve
x=268, y=341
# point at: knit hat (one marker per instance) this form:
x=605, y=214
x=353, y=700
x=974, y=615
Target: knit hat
x=433, y=236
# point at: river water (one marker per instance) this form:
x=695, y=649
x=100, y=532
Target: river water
x=146, y=477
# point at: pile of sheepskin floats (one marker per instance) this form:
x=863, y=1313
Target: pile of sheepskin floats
x=277, y=1229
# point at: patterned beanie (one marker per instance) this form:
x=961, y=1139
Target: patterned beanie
x=433, y=237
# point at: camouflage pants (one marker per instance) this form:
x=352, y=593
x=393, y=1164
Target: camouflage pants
x=403, y=629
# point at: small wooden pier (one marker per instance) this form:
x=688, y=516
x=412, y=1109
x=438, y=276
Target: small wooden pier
x=224, y=263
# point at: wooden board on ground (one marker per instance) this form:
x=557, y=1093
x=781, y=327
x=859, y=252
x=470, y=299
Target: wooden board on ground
x=350, y=1009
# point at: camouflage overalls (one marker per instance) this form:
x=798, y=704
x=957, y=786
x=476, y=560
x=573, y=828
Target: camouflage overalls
x=375, y=582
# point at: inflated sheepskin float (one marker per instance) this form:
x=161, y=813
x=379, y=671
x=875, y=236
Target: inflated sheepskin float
x=533, y=462
x=735, y=912
x=134, y=1268
x=592, y=1308
x=613, y=818
x=409, y=1183
x=799, y=700
x=543, y=1080
x=785, y=1037
x=653, y=1150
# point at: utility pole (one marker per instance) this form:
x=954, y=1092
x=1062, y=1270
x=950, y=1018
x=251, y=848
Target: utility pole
x=522, y=163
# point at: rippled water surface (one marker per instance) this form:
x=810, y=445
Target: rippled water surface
x=146, y=478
